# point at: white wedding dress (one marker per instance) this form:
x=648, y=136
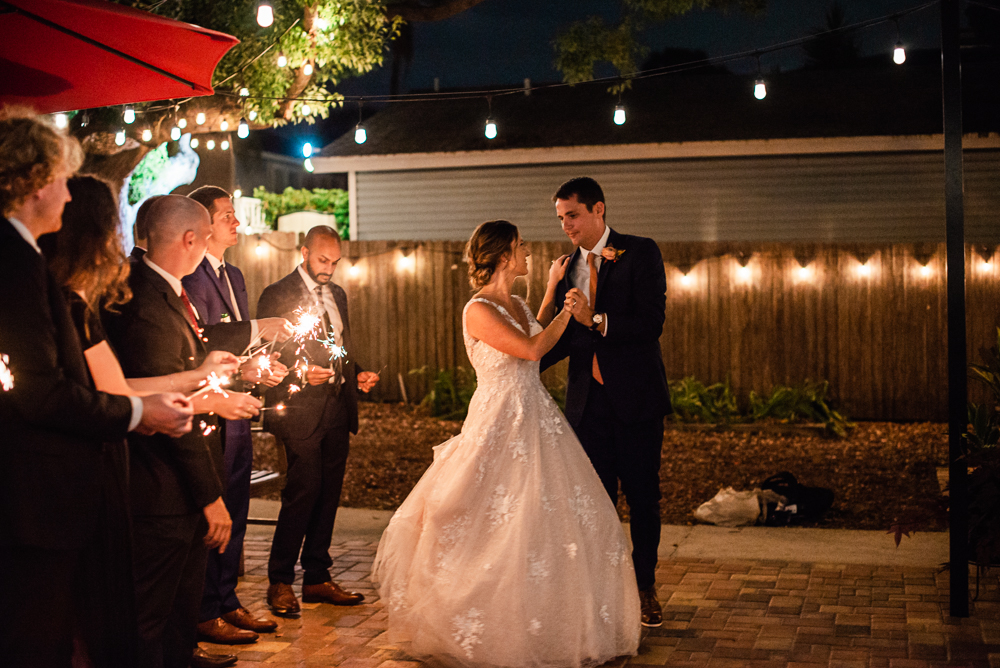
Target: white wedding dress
x=508, y=551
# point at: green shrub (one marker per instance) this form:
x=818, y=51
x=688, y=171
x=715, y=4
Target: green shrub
x=983, y=458
x=450, y=393
x=806, y=402
x=146, y=173
x=694, y=402
x=333, y=201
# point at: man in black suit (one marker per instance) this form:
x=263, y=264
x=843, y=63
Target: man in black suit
x=140, y=230
x=176, y=483
x=617, y=393
x=54, y=421
x=315, y=427
x=219, y=294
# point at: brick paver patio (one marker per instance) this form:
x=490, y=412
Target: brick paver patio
x=725, y=613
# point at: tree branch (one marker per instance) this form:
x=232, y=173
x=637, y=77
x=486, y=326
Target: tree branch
x=301, y=81
x=412, y=11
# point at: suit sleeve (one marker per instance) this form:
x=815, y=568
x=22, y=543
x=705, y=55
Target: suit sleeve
x=42, y=394
x=643, y=320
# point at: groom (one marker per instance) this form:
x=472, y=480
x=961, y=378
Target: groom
x=617, y=395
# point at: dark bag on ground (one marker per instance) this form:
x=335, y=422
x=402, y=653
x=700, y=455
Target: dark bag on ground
x=803, y=505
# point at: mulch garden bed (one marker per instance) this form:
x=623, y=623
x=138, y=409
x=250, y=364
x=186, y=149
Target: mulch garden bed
x=883, y=473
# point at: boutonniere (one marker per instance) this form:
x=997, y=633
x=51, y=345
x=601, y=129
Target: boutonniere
x=611, y=253
x=225, y=318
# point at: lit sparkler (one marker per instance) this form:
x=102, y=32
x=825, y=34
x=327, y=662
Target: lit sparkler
x=307, y=325
x=6, y=376
x=293, y=388
x=206, y=428
x=213, y=383
x=277, y=407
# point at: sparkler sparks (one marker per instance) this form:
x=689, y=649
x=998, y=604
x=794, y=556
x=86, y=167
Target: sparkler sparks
x=213, y=383
x=6, y=377
x=293, y=388
x=206, y=429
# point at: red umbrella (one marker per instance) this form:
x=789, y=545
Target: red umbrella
x=60, y=55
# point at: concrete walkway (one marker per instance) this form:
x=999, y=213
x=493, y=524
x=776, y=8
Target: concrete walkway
x=762, y=597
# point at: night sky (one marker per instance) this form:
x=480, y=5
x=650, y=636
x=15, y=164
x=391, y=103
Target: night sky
x=502, y=42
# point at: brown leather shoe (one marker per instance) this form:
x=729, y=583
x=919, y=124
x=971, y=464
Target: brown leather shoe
x=282, y=599
x=329, y=592
x=242, y=618
x=652, y=614
x=202, y=659
x=222, y=632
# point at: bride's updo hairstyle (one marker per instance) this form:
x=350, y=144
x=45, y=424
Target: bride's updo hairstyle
x=487, y=247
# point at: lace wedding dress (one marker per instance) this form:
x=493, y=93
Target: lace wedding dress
x=508, y=551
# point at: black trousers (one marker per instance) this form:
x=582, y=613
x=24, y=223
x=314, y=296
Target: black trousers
x=628, y=452
x=170, y=558
x=310, y=499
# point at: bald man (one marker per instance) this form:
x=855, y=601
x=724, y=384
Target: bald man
x=176, y=483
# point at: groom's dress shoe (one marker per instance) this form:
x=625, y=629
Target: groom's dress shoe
x=652, y=614
x=203, y=659
x=242, y=618
x=328, y=592
x=282, y=599
x=222, y=632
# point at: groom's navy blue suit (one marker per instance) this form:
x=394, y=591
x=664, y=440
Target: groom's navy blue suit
x=620, y=423
x=212, y=300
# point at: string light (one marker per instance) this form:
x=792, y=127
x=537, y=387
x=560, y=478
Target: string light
x=200, y=118
x=182, y=123
x=147, y=134
x=491, y=129
x=243, y=129
x=354, y=271
x=224, y=145
x=175, y=133
x=864, y=269
x=265, y=14
x=307, y=150
x=224, y=125
x=120, y=137
x=84, y=120
x=926, y=271
x=238, y=193
x=253, y=114
x=307, y=69
x=61, y=120
x=406, y=263
x=129, y=114
x=210, y=144
x=308, y=164
x=194, y=142
x=306, y=110
x=260, y=250
x=898, y=53
x=744, y=274
x=244, y=92
x=759, y=89
x=360, y=135
x=686, y=280
x=619, y=115
x=282, y=61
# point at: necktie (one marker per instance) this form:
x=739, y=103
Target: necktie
x=592, y=261
x=336, y=363
x=228, y=288
x=192, y=319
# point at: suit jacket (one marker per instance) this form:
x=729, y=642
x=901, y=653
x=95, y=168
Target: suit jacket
x=53, y=420
x=305, y=409
x=136, y=254
x=169, y=476
x=632, y=291
x=211, y=299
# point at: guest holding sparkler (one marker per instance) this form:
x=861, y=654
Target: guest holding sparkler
x=54, y=420
x=218, y=291
x=315, y=428
x=176, y=489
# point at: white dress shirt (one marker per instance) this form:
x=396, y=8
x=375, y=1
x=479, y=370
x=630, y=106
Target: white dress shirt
x=135, y=401
x=329, y=305
x=580, y=279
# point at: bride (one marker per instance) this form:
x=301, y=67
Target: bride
x=508, y=551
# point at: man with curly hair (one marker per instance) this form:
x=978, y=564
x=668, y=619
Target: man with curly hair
x=54, y=420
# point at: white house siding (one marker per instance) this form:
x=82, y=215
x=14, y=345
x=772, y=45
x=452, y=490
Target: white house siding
x=874, y=197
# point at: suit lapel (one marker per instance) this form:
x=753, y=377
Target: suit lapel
x=602, y=274
x=173, y=301
x=567, y=281
x=206, y=266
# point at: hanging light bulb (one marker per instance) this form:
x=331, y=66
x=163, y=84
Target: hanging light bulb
x=491, y=129
x=147, y=134
x=85, y=120
x=306, y=110
x=759, y=89
x=321, y=24
x=925, y=270
x=360, y=135
x=265, y=14
x=899, y=54
x=307, y=150
x=120, y=137
x=224, y=145
x=61, y=120
x=129, y=114
x=243, y=130
x=200, y=118
x=253, y=114
x=182, y=123
x=175, y=133
x=619, y=115
x=194, y=142
x=282, y=60
x=224, y=125
x=308, y=164
x=210, y=144
x=238, y=193
x=307, y=69
x=244, y=92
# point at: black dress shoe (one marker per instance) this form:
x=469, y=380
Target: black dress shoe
x=202, y=659
x=652, y=614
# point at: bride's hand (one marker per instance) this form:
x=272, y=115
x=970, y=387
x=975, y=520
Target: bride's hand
x=558, y=269
x=576, y=303
x=219, y=362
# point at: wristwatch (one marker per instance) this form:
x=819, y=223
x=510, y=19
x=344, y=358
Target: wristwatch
x=596, y=319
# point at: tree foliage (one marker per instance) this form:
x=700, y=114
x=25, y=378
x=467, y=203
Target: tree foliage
x=591, y=41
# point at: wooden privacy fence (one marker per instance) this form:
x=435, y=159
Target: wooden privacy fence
x=871, y=320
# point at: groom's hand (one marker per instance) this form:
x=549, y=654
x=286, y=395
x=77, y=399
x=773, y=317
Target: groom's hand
x=577, y=304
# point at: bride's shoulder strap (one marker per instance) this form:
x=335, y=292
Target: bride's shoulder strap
x=524, y=305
